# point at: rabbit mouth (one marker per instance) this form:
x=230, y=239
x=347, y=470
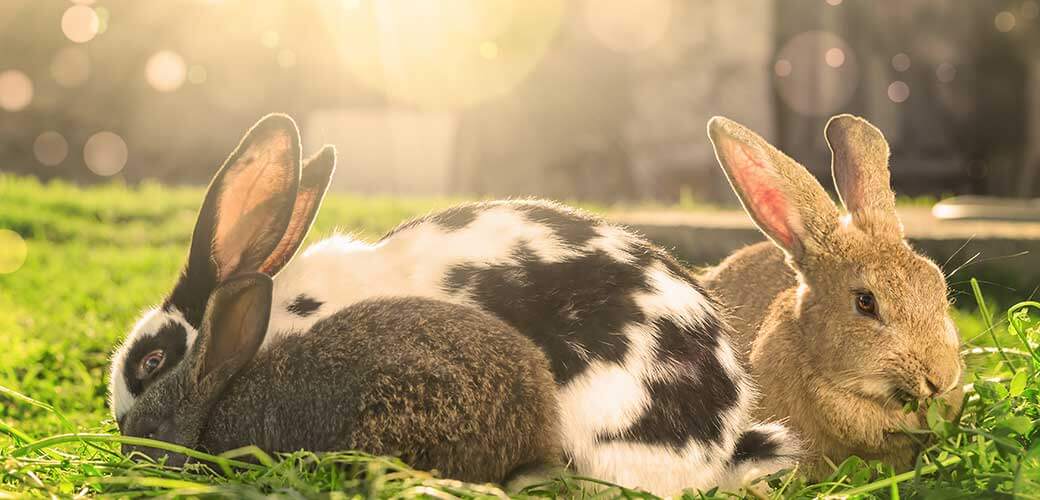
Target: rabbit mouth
x=903, y=397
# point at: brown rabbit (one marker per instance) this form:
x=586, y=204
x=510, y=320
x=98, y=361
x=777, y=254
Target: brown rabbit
x=440, y=385
x=839, y=319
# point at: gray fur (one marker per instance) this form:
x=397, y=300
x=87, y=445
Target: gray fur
x=442, y=386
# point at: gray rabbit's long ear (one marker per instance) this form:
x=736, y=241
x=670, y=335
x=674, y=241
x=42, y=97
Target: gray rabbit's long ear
x=861, y=175
x=233, y=329
x=782, y=197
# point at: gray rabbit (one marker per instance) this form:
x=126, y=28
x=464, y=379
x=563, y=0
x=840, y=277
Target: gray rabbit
x=442, y=386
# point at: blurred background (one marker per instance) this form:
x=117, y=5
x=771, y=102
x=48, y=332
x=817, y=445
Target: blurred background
x=600, y=100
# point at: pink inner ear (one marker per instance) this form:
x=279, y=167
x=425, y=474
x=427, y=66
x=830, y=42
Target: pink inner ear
x=303, y=211
x=262, y=172
x=754, y=177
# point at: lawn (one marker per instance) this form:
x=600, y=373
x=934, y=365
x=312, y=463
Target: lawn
x=97, y=256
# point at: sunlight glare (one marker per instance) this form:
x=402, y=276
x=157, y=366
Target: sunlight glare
x=434, y=54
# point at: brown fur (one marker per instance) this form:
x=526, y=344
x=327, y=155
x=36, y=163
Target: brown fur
x=829, y=370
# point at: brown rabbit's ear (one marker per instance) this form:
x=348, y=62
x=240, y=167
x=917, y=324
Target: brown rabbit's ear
x=860, y=168
x=782, y=197
x=246, y=213
x=317, y=174
x=232, y=330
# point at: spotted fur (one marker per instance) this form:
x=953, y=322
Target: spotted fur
x=651, y=392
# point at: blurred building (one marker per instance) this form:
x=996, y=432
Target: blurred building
x=591, y=99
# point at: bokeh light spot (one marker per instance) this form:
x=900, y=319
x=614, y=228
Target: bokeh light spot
x=105, y=153
x=834, y=57
x=165, y=71
x=50, y=148
x=80, y=23
x=1005, y=21
x=834, y=3
x=270, y=39
x=13, y=251
x=627, y=26
x=197, y=74
x=901, y=62
x=898, y=91
x=286, y=58
x=71, y=67
x=16, y=90
x=946, y=72
x=489, y=50
x=802, y=86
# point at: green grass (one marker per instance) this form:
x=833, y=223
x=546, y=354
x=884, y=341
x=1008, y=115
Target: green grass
x=98, y=256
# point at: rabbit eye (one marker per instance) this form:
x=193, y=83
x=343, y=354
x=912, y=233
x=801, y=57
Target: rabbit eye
x=151, y=362
x=866, y=304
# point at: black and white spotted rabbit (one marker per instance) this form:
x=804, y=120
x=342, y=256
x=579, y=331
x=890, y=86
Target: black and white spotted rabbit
x=651, y=392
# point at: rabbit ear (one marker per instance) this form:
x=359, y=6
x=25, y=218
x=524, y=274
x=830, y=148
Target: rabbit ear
x=232, y=330
x=317, y=173
x=861, y=176
x=782, y=197
x=246, y=213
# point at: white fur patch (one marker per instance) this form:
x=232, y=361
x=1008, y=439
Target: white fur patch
x=615, y=242
x=674, y=299
x=120, y=398
x=786, y=457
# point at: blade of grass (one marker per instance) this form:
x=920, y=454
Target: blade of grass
x=899, y=478
x=984, y=310
x=1016, y=327
x=17, y=396
x=150, y=443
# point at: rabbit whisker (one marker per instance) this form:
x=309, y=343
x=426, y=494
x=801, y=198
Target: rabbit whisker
x=954, y=254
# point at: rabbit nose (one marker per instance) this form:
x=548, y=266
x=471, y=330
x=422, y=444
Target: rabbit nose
x=933, y=388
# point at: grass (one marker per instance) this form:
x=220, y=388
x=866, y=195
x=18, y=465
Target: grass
x=98, y=256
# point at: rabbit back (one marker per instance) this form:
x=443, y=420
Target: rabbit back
x=442, y=386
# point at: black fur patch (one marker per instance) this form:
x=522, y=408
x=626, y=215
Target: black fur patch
x=574, y=228
x=172, y=339
x=304, y=306
x=692, y=406
x=571, y=309
x=452, y=219
x=754, y=445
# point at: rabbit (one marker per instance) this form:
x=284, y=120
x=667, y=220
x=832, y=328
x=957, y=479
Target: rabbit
x=441, y=385
x=651, y=393
x=840, y=321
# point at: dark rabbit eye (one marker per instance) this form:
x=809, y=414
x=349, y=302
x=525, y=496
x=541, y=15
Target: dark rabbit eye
x=151, y=362
x=866, y=304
